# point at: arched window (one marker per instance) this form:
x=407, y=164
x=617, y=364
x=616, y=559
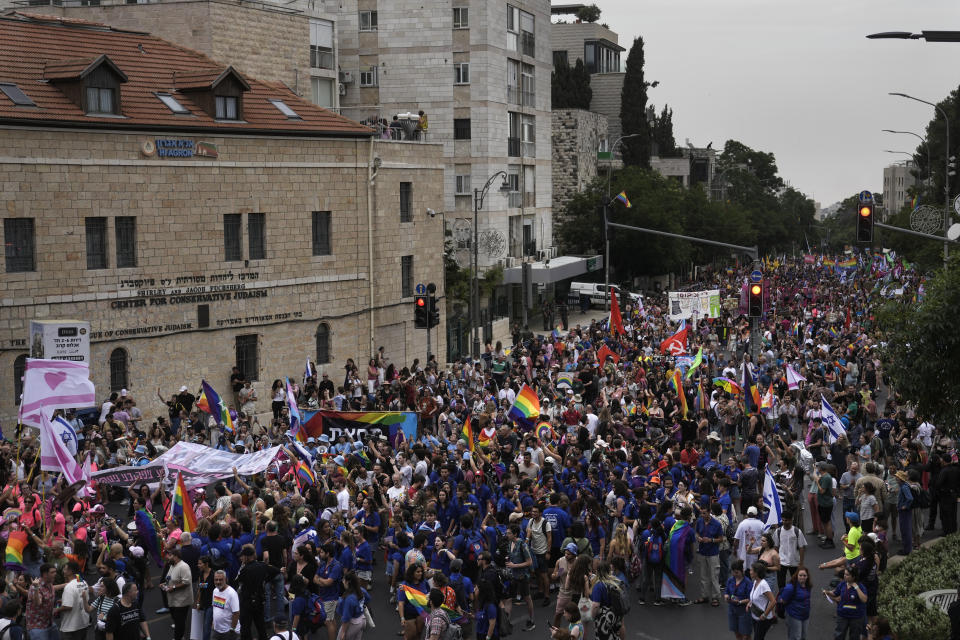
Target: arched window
x=323, y=343
x=19, y=369
x=118, y=370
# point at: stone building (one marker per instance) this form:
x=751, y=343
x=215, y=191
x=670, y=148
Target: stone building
x=199, y=218
x=577, y=137
x=292, y=42
x=480, y=71
x=898, y=179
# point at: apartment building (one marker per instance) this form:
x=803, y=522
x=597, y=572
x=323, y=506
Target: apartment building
x=480, y=72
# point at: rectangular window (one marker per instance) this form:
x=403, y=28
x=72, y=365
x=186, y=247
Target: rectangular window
x=321, y=44
x=406, y=276
x=514, y=197
x=232, y=234
x=126, y=235
x=368, y=21
x=227, y=108
x=321, y=233
x=406, y=202
x=321, y=90
x=513, y=134
x=461, y=73
x=527, y=40
x=527, y=86
x=529, y=186
x=368, y=76
x=18, y=244
x=463, y=185
x=257, y=236
x=461, y=128
x=528, y=136
x=513, y=82
x=513, y=28
x=99, y=100
x=461, y=18
x=96, y=229
x=172, y=103
x=560, y=57
x=21, y=99
x=590, y=57
x=248, y=356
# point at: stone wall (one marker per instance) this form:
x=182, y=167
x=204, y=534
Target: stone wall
x=152, y=311
x=576, y=137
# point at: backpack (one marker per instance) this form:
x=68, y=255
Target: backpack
x=654, y=549
x=315, y=613
x=922, y=497
x=495, y=580
x=5, y=634
x=731, y=531
x=452, y=631
x=475, y=544
x=616, y=597
x=460, y=591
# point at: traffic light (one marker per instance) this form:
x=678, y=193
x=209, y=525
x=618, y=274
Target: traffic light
x=420, y=312
x=433, y=313
x=755, y=300
x=865, y=222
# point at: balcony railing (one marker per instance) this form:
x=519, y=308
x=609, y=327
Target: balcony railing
x=528, y=44
x=321, y=58
x=513, y=147
x=404, y=129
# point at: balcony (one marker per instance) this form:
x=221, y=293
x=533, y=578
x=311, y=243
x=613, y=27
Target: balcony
x=405, y=129
x=321, y=58
x=528, y=44
x=513, y=147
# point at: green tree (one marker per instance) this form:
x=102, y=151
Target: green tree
x=633, y=109
x=664, y=144
x=570, y=87
x=589, y=13
x=922, y=355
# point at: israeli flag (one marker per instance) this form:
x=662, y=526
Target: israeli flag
x=771, y=501
x=831, y=421
x=67, y=434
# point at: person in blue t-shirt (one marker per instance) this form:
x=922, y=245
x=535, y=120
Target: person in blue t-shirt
x=363, y=558
x=351, y=605
x=796, y=600
x=851, y=598
x=329, y=574
x=369, y=519
x=709, y=534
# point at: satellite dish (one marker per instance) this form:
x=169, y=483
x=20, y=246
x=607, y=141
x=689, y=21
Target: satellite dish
x=953, y=232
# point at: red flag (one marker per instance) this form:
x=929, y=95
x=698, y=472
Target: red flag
x=846, y=323
x=603, y=353
x=675, y=345
x=616, y=322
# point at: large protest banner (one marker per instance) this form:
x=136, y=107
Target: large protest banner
x=358, y=425
x=695, y=304
x=199, y=464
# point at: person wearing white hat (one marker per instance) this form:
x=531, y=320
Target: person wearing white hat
x=748, y=536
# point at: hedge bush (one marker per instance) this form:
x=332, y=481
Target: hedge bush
x=936, y=567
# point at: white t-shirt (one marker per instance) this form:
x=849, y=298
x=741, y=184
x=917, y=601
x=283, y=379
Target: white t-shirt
x=758, y=598
x=748, y=535
x=925, y=433
x=225, y=604
x=343, y=500
x=77, y=618
x=789, y=544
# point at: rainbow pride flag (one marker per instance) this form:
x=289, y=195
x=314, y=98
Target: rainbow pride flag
x=622, y=197
x=485, y=437
x=466, y=433
x=419, y=601
x=16, y=543
x=545, y=432
x=677, y=383
x=148, y=533
x=525, y=408
x=305, y=473
x=211, y=403
x=848, y=263
x=181, y=506
x=727, y=385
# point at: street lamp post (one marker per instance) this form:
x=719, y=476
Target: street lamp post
x=946, y=173
x=478, y=196
x=606, y=233
x=924, y=141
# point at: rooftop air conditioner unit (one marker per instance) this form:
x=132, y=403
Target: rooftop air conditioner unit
x=510, y=262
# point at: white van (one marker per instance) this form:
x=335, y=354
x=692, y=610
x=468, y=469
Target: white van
x=597, y=293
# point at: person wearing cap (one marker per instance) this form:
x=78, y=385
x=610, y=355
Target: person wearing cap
x=748, y=535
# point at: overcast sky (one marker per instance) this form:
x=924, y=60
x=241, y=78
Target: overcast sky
x=796, y=78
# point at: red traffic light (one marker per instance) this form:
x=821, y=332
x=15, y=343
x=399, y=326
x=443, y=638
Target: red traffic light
x=421, y=302
x=865, y=212
x=755, y=289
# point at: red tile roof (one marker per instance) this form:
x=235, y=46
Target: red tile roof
x=35, y=49
x=205, y=79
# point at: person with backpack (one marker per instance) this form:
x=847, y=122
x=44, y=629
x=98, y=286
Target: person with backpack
x=439, y=626
x=463, y=589
x=608, y=609
x=350, y=608
x=519, y=561
x=651, y=541
x=9, y=629
x=540, y=540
